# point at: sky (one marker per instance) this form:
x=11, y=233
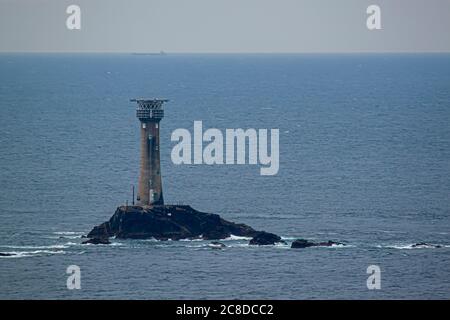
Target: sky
x=225, y=26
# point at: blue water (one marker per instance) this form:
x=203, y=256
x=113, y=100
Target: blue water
x=364, y=159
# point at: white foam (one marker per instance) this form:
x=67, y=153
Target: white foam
x=215, y=246
x=116, y=244
x=289, y=238
x=56, y=246
x=69, y=237
x=112, y=244
x=24, y=254
x=341, y=245
x=68, y=233
x=72, y=244
x=233, y=237
x=282, y=245
x=150, y=240
x=410, y=246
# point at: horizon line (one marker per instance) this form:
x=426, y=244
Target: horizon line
x=162, y=53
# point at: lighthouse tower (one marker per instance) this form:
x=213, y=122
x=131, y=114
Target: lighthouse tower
x=150, y=113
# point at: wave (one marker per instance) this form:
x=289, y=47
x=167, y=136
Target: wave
x=392, y=231
x=56, y=237
x=282, y=245
x=149, y=240
x=68, y=233
x=289, y=238
x=233, y=237
x=231, y=242
x=411, y=246
x=112, y=244
x=341, y=245
x=116, y=244
x=230, y=238
x=56, y=246
x=72, y=244
x=24, y=254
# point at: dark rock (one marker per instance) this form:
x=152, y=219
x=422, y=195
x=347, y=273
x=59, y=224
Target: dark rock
x=424, y=244
x=97, y=241
x=265, y=238
x=330, y=243
x=219, y=233
x=419, y=244
x=101, y=231
x=164, y=222
x=4, y=254
x=302, y=243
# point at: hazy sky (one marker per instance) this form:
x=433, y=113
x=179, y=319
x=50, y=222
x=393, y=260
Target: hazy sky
x=225, y=26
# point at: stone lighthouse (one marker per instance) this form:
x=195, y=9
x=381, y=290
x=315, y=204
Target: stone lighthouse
x=150, y=112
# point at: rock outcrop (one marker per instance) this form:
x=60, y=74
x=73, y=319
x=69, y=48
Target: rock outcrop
x=265, y=238
x=176, y=222
x=426, y=245
x=164, y=222
x=4, y=254
x=217, y=245
x=302, y=243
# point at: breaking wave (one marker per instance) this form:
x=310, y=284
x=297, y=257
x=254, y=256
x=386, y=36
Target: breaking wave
x=24, y=254
x=411, y=246
x=341, y=245
x=56, y=246
x=66, y=235
x=233, y=237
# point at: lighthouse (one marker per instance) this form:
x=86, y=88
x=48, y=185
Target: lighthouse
x=150, y=112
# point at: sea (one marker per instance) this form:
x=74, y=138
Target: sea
x=364, y=160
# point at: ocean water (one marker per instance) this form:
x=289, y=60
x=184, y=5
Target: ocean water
x=364, y=160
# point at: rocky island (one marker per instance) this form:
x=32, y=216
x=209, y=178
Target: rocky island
x=175, y=222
